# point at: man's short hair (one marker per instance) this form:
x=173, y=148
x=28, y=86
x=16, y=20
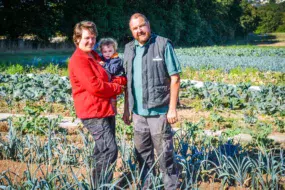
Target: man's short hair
x=88, y=25
x=137, y=15
x=107, y=42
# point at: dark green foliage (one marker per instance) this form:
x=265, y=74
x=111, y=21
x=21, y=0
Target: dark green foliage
x=188, y=22
x=40, y=18
x=270, y=17
x=32, y=122
x=249, y=19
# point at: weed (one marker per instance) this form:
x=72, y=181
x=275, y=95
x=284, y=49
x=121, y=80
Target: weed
x=15, y=69
x=280, y=125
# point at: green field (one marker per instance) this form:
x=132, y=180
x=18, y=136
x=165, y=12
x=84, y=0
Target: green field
x=225, y=104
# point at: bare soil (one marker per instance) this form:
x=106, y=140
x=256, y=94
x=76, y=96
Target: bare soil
x=15, y=171
x=3, y=126
x=277, y=44
x=17, y=107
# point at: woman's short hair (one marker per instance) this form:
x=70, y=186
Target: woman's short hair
x=88, y=25
x=107, y=42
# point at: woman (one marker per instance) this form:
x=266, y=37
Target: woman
x=92, y=90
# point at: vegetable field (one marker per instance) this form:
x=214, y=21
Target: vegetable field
x=226, y=92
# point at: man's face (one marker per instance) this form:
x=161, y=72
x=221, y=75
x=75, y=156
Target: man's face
x=140, y=30
x=107, y=51
x=87, y=41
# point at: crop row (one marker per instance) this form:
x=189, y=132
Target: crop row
x=228, y=63
x=224, y=58
x=199, y=160
x=232, y=51
x=53, y=88
x=267, y=100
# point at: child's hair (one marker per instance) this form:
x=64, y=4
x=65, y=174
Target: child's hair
x=107, y=42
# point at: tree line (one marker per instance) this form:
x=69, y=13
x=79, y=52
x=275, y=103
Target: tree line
x=185, y=22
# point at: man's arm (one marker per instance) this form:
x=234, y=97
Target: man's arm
x=174, y=68
x=126, y=116
x=172, y=116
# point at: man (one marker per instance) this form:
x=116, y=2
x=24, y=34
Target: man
x=153, y=85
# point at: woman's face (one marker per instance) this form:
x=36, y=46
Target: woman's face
x=87, y=41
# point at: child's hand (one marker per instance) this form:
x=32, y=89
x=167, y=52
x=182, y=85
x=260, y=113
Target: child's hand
x=102, y=63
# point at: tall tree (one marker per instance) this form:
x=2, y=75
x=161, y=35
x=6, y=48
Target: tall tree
x=32, y=17
x=249, y=18
x=270, y=17
x=11, y=16
x=185, y=22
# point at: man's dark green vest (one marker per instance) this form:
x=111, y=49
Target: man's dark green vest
x=155, y=77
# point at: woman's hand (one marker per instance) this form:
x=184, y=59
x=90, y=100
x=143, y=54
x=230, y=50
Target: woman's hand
x=119, y=80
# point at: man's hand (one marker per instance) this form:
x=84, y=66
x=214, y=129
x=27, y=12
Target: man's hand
x=126, y=117
x=172, y=116
x=174, y=90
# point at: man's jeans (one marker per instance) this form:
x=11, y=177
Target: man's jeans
x=106, y=150
x=155, y=132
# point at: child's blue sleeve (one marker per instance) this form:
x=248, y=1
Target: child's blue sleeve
x=95, y=46
x=115, y=67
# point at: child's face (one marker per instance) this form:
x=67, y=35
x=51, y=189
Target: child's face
x=108, y=51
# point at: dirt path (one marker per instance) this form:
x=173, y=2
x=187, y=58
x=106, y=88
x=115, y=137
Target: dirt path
x=277, y=44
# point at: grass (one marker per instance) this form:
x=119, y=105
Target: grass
x=11, y=69
x=237, y=75
x=278, y=36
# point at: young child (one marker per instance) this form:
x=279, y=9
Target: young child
x=111, y=61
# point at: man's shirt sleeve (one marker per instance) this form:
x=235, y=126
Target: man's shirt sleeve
x=171, y=61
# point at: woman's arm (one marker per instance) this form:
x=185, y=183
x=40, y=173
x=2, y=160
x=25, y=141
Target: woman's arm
x=88, y=80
